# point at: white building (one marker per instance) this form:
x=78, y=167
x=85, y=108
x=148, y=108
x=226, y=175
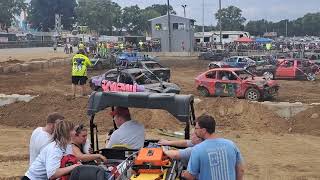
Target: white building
x=214, y=36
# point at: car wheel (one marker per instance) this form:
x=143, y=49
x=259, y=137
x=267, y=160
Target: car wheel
x=203, y=91
x=252, y=94
x=268, y=75
x=311, y=77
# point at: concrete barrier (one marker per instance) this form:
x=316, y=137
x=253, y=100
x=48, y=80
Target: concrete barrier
x=11, y=69
x=45, y=65
x=285, y=109
x=25, y=67
x=50, y=64
x=33, y=65
x=57, y=63
x=15, y=68
x=67, y=61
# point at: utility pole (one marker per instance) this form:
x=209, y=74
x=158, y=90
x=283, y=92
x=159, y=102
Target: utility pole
x=220, y=26
x=286, y=27
x=169, y=26
x=184, y=9
x=203, y=20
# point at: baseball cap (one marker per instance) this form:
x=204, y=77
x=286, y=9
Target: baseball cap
x=120, y=111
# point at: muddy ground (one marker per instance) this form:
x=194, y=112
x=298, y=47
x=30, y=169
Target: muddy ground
x=273, y=148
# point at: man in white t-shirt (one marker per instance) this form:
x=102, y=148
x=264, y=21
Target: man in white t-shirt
x=130, y=133
x=42, y=136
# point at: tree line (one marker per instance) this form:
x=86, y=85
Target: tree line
x=107, y=17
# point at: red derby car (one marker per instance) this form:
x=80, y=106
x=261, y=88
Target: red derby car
x=235, y=82
x=297, y=69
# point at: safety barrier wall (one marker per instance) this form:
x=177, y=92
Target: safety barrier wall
x=25, y=44
x=33, y=65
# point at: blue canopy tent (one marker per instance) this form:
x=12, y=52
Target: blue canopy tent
x=263, y=40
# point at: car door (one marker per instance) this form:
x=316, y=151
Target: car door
x=227, y=84
x=286, y=69
x=208, y=81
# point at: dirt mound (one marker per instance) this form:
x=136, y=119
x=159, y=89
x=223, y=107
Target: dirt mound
x=34, y=113
x=307, y=122
x=230, y=113
x=236, y=114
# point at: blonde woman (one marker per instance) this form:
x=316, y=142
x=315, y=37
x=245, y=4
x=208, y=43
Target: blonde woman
x=47, y=164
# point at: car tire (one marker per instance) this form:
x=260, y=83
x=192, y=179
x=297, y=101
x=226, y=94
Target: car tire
x=268, y=75
x=252, y=94
x=311, y=77
x=203, y=91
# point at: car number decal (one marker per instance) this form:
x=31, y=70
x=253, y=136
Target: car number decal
x=226, y=89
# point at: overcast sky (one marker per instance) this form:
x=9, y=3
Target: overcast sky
x=272, y=10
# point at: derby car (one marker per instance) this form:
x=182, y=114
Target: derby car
x=263, y=60
x=132, y=57
x=233, y=62
x=139, y=79
x=147, y=163
x=235, y=82
x=301, y=69
x=160, y=71
x=217, y=55
x=100, y=63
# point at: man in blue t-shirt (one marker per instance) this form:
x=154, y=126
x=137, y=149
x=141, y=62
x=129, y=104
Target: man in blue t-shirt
x=214, y=158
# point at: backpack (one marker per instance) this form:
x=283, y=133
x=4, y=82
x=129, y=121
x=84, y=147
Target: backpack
x=67, y=160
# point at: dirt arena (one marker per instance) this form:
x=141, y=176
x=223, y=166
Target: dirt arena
x=273, y=148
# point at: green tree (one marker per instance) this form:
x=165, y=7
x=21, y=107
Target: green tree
x=161, y=9
x=99, y=15
x=8, y=9
x=231, y=18
x=130, y=18
x=257, y=28
x=309, y=24
x=42, y=13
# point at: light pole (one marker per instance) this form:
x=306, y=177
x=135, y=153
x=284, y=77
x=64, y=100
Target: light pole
x=287, y=27
x=169, y=27
x=220, y=26
x=184, y=9
x=203, y=21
